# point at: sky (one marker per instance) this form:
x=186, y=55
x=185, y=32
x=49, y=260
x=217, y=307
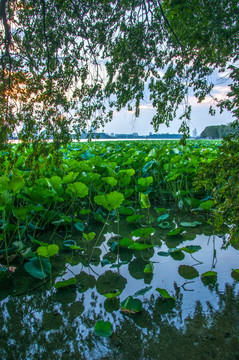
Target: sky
x=125, y=122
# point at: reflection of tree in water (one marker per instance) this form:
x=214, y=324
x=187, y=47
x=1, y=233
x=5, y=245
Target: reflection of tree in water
x=58, y=326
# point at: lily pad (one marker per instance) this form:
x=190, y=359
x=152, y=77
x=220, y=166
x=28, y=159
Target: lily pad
x=162, y=217
x=188, y=272
x=134, y=218
x=103, y=328
x=164, y=225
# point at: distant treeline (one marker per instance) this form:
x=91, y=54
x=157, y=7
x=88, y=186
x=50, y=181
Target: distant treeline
x=219, y=131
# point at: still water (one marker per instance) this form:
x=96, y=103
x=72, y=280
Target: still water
x=200, y=321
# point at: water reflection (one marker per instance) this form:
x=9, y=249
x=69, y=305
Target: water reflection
x=40, y=322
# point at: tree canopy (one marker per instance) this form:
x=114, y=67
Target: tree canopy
x=67, y=65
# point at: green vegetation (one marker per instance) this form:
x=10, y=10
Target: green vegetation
x=219, y=131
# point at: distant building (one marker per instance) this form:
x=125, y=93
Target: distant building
x=135, y=134
x=195, y=133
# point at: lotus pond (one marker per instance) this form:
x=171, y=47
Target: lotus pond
x=109, y=252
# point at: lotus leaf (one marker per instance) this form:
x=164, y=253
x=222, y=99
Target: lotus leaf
x=103, y=328
x=131, y=305
x=191, y=248
x=77, y=189
x=48, y=251
x=143, y=232
x=164, y=294
x=38, y=268
x=65, y=283
x=134, y=218
x=188, y=272
x=110, y=201
x=144, y=201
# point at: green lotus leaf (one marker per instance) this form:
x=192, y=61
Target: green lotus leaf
x=207, y=205
x=134, y=218
x=149, y=268
x=191, y=248
x=188, y=272
x=144, y=201
x=131, y=305
x=78, y=189
x=70, y=178
x=145, y=182
x=143, y=232
x=126, y=211
x=109, y=180
x=103, y=328
x=110, y=201
x=112, y=295
x=175, y=232
x=90, y=236
x=125, y=242
x=65, y=283
x=38, y=268
x=15, y=184
x=48, y=251
x=164, y=294
x=209, y=274
x=139, y=247
x=163, y=253
x=21, y=213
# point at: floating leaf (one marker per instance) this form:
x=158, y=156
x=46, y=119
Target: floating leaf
x=187, y=272
x=38, y=268
x=143, y=291
x=163, y=253
x=65, y=283
x=139, y=247
x=48, y=251
x=110, y=201
x=103, y=328
x=190, y=224
x=131, y=305
x=191, y=248
x=165, y=294
x=174, y=232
